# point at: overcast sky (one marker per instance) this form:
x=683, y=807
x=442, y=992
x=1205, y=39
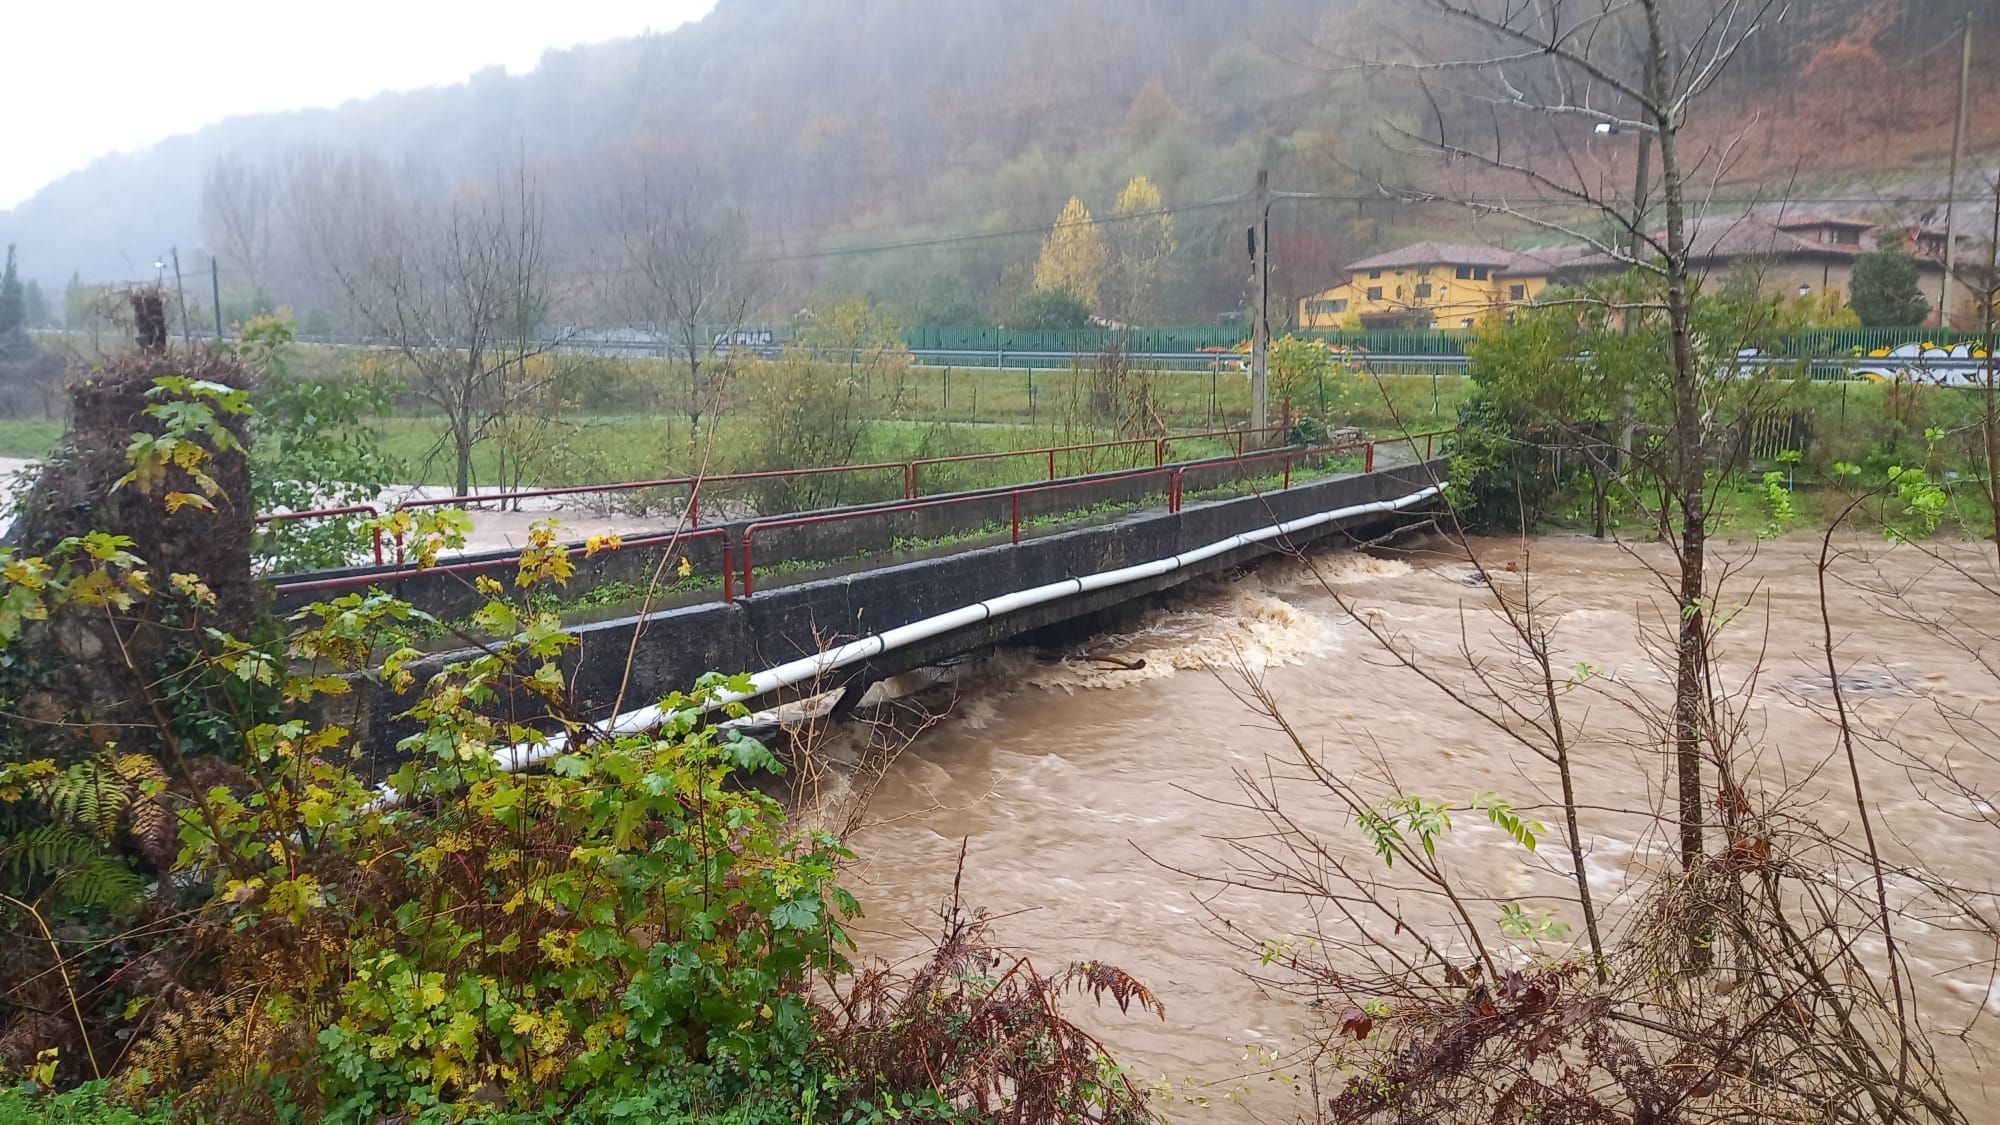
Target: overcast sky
x=82, y=78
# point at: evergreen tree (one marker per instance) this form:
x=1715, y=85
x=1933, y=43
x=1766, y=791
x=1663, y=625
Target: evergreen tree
x=13, y=302
x=1886, y=293
x=35, y=305
x=1047, y=309
x=75, y=300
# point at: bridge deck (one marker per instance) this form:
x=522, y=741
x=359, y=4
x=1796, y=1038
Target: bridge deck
x=921, y=605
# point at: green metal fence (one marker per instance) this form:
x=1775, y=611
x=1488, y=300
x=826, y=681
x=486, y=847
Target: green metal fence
x=985, y=338
x=1188, y=338
x=1845, y=341
x=1399, y=341
x=1835, y=343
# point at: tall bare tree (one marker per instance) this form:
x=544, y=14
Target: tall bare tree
x=238, y=213
x=1811, y=1018
x=1563, y=80
x=457, y=284
x=682, y=274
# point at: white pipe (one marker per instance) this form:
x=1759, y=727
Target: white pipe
x=521, y=755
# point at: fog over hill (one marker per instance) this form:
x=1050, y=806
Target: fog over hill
x=831, y=124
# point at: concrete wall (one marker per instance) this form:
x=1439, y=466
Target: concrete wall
x=678, y=645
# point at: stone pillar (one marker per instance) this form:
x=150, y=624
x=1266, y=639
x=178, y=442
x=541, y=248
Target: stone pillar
x=84, y=677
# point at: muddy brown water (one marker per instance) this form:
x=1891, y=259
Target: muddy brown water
x=1076, y=784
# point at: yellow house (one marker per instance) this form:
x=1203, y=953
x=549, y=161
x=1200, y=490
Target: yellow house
x=1429, y=285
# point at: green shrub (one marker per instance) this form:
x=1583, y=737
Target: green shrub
x=93, y=1103
x=629, y=930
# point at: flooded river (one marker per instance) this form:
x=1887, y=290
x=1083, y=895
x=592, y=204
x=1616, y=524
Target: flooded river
x=1079, y=780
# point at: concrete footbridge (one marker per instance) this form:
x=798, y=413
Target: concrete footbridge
x=839, y=597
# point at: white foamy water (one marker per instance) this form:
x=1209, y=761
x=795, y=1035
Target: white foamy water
x=1085, y=787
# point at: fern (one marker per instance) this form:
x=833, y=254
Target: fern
x=97, y=793
x=92, y=807
x=73, y=869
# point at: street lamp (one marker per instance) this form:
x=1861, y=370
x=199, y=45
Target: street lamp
x=159, y=271
x=1805, y=291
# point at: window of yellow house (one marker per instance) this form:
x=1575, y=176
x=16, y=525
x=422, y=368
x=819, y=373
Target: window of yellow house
x=1481, y=273
x=1374, y=292
x=1326, y=306
x=1517, y=292
x=1463, y=273
x=1374, y=275
x=1423, y=290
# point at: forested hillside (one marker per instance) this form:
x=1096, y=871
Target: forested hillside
x=831, y=125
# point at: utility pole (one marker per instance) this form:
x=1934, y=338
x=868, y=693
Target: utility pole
x=181, y=295
x=215, y=292
x=1951, y=185
x=1260, y=327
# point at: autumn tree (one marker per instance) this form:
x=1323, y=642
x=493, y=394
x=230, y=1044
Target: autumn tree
x=1073, y=257
x=1151, y=113
x=1142, y=244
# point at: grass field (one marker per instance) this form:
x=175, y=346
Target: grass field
x=934, y=412
x=29, y=437
x=1184, y=400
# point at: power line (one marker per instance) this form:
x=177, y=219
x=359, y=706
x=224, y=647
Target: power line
x=983, y=236
x=1377, y=198
x=953, y=239
x=1363, y=198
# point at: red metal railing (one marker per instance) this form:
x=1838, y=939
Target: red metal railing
x=1011, y=496
x=902, y=471
x=1429, y=437
x=350, y=581
x=911, y=472
x=346, y=510
x=1285, y=455
x=1239, y=435
x=692, y=484
x=915, y=483
x=525, y=494
x=534, y=493
x=911, y=482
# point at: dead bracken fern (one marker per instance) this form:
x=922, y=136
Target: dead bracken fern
x=985, y=1030
x=1098, y=978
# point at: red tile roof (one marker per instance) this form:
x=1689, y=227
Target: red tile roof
x=1800, y=222
x=1435, y=254
x=1718, y=238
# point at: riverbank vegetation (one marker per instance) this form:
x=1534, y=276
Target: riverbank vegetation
x=1757, y=955
x=223, y=912
x=1564, y=425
